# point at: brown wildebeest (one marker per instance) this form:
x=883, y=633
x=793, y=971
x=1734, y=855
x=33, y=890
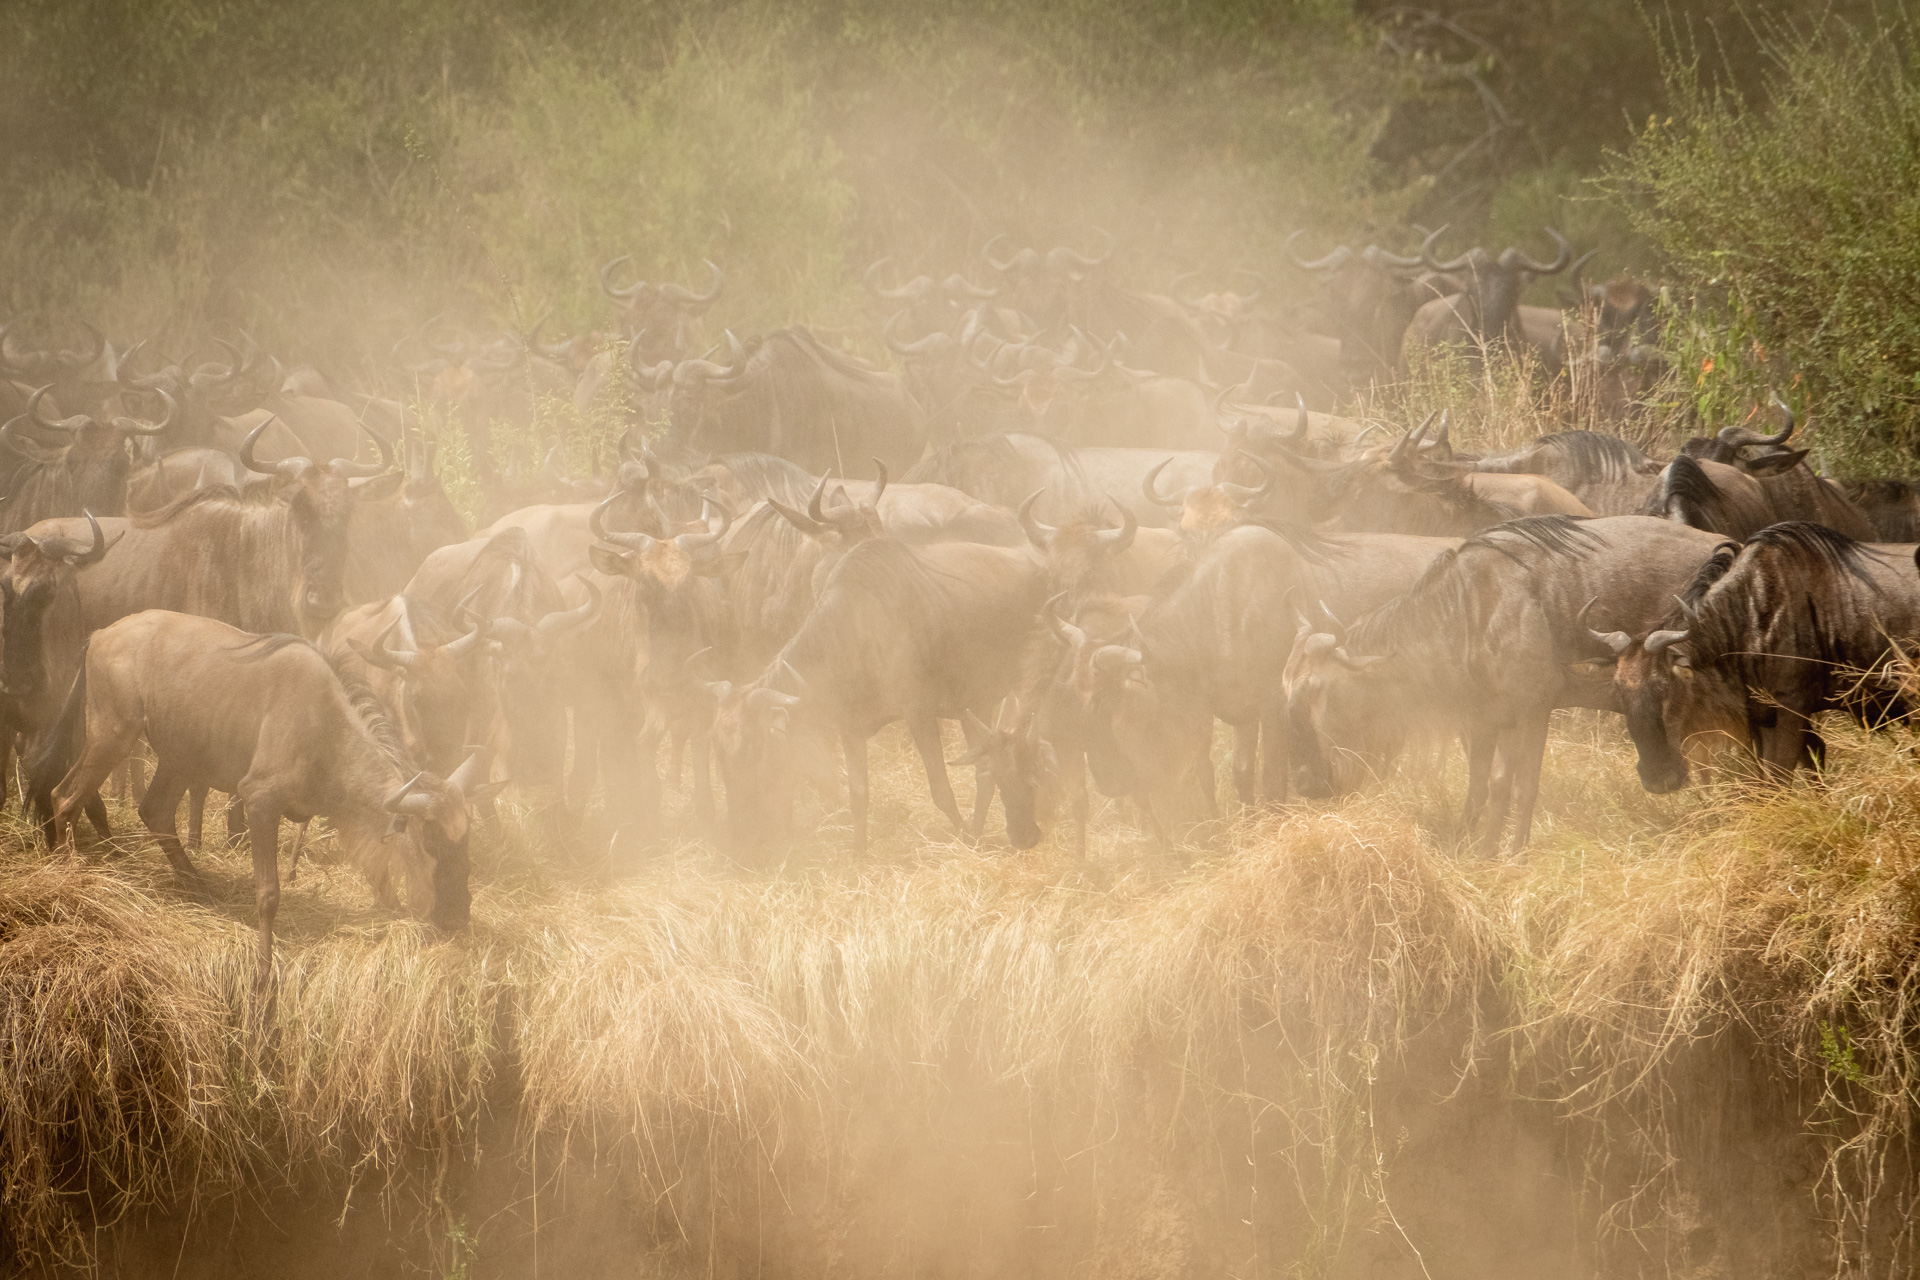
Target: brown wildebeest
x=266, y=719
x=1766, y=637
x=87, y=473
x=1491, y=639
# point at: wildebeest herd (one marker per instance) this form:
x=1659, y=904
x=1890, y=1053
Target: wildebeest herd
x=1098, y=521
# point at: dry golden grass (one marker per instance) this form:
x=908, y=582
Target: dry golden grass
x=690, y=1007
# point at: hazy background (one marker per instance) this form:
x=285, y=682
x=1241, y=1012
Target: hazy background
x=331, y=174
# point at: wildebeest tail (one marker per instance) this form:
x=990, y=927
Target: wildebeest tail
x=58, y=748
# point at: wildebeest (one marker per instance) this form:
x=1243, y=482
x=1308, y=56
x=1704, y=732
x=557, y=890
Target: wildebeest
x=264, y=718
x=1491, y=639
x=87, y=473
x=1799, y=620
x=1891, y=507
x=1488, y=309
x=433, y=680
x=789, y=394
x=1004, y=470
x=1608, y=474
x=655, y=317
x=914, y=633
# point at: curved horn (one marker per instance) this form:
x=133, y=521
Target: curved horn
x=1740, y=437
x=253, y=438
x=682, y=296
x=565, y=620
x=1516, y=257
x=64, y=424
x=1300, y=424
x=1331, y=262
x=935, y=341
x=1659, y=640
x=1115, y=541
x=880, y=481
x=1067, y=631
x=1244, y=494
x=1039, y=534
x=619, y=295
x=404, y=801
x=1426, y=252
x=692, y=542
x=134, y=427
x=1148, y=483
x=381, y=443
x=908, y=292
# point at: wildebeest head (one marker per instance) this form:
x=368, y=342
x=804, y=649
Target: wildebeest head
x=1011, y=753
x=754, y=732
x=40, y=568
x=662, y=567
x=655, y=316
x=321, y=499
x=1494, y=285
x=438, y=816
x=203, y=391
x=1754, y=452
x=437, y=683
x=1342, y=722
x=1076, y=549
x=88, y=472
x=1207, y=511
x=1370, y=300
x=840, y=523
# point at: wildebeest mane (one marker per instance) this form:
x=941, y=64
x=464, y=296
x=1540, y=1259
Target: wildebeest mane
x=158, y=516
x=1442, y=599
x=373, y=716
x=1820, y=543
x=1554, y=535
x=1591, y=456
x=768, y=475
x=260, y=648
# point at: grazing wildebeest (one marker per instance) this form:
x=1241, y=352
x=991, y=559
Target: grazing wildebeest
x=264, y=718
x=920, y=633
x=1798, y=621
x=1491, y=639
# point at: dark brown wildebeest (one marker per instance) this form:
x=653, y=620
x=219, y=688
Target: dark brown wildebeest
x=88, y=473
x=1491, y=639
x=1891, y=507
x=264, y=718
x=1372, y=297
x=1788, y=487
x=789, y=394
x=1798, y=621
x=914, y=633
x=1215, y=644
x=656, y=317
x=1488, y=308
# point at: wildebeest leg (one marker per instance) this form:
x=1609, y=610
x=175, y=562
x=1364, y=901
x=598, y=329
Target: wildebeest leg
x=196, y=816
x=137, y=776
x=263, y=822
x=97, y=815
x=703, y=778
x=159, y=810
x=1527, y=753
x=293, y=862
x=855, y=749
x=1075, y=778
x=1246, y=750
x=1479, y=744
x=1273, y=748
x=109, y=738
x=1493, y=818
x=588, y=729
x=236, y=822
x=926, y=737
x=982, y=784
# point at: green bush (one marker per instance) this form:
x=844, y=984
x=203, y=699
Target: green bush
x=1798, y=225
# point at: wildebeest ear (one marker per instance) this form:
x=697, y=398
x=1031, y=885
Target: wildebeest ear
x=1774, y=464
x=1592, y=666
x=613, y=563
x=375, y=488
